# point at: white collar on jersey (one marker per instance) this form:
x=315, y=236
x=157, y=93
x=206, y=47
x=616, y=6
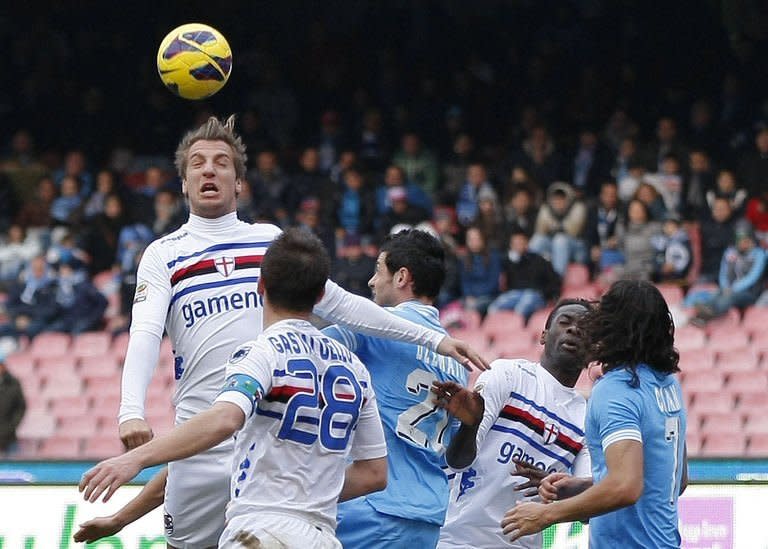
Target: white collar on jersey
x=226, y=221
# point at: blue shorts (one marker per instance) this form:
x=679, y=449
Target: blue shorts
x=363, y=527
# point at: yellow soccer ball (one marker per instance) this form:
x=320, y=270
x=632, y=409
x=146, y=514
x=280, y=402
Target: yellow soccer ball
x=194, y=61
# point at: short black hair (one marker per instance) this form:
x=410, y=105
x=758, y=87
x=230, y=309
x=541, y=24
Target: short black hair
x=632, y=325
x=587, y=304
x=422, y=254
x=295, y=270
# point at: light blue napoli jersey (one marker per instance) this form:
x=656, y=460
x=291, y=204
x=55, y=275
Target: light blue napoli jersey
x=417, y=432
x=652, y=413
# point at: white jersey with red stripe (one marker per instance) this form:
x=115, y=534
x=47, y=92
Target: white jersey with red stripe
x=199, y=284
x=528, y=416
x=309, y=406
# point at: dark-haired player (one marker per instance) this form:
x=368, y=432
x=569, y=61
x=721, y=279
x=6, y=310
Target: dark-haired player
x=300, y=404
x=409, y=272
x=635, y=431
x=523, y=420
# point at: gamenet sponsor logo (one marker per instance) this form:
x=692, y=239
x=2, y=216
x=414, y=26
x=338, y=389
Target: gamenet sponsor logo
x=202, y=308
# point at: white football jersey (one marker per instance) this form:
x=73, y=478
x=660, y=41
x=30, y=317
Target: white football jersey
x=528, y=416
x=309, y=406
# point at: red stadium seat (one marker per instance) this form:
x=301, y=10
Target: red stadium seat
x=744, y=359
x=50, y=344
x=60, y=447
x=21, y=364
x=725, y=422
x=576, y=276
x=120, y=344
x=723, y=445
x=105, y=407
x=753, y=402
x=515, y=347
x=103, y=387
x=693, y=443
x=590, y=292
x=747, y=382
x=758, y=445
x=56, y=367
x=672, y=293
x=697, y=359
x=78, y=427
x=702, y=380
x=689, y=337
x=457, y=317
x=91, y=344
x=67, y=407
x=728, y=338
x=102, y=446
x=62, y=387
x=502, y=325
x=538, y=320
x=731, y=319
x=755, y=320
x=713, y=401
x=756, y=423
x=105, y=366
x=36, y=426
x=475, y=337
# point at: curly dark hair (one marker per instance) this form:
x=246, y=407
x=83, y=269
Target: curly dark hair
x=631, y=326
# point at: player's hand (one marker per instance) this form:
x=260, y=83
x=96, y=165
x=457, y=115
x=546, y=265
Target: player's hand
x=134, y=433
x=524, y=519
x=461, y=351
x=97, y=528
x=551, y=487
x=109, y=475
x=533, y=474
x=459, y=401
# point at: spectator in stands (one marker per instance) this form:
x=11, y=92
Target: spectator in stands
x=520, y=209
x=75, y=165
x=626, y=157
x=347, y=160
x=467, y=204
x=105, y=186
x=142, y=200
x=311, y=182
x=604, y=219
x=618, y=129
x=373, y=148
x=67, y=249
x=539, y=157
x=308, y=218
x=9, y=202
x=353, y=269
x=702, y=132
x=401, y=214
x=480, y=269
x=528, y=281
x=394, y=176
x=13, y=406
x=590, y=164
x=169, y=213
x=329, y=141
x=66, y=210
x=80, y=305
x=35, y=215
x=649, y=194
x=102, y=233
x=444, y=223
x=700, y=181
x=637, y=243
x=31, y=304
x=455, y=168
x=629, y=183
x=753, y=165
x=727, y=187
x=716, y=236
x=666, y=144
x=356, y=209
x=669, y=184
x=673, y=252
x=757, y=213
x=16, y=252
x=269, y=189
x=490, y=219
x=418, y=163
x=560, y=225
x=740, y=282
x=133, y=238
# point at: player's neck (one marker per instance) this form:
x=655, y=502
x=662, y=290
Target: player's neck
x=410, y=297
x=562, y=374
x=274, y=315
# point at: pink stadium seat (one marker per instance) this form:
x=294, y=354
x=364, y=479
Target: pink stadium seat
x=689, y=337
x=697, y=359
x=744, y=359
x=747, y=382
x=694, y=422
x=576, y=276
x=755, y=320
x=693, y=443
x=78, y=427
x=57, y=366
x=590, y=292
x=27, y=449
x=67, y=407
x=91, y=344
x=702, y=380
x=724, y=422
x=60, y=447
x=105, y=366
x=102, y=446
x=503, y=325
x=21, y=364
x=120, y=344
x=729, y=320
x=459, y=317
x=105, y=407
x=753, y=402
x=514, y=347
x=103, y=387
x=672, y=293
x=50, y=344
x=728, y=338
x=62, y=387
x=475, y=337
x=758, y=445
x=538, y=320
x=36, y=426
x=756, y=423
x=724, y=445
x=105, y=281
x=713, y=401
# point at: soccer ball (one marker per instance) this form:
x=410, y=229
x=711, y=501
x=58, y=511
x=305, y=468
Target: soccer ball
x=194, y=61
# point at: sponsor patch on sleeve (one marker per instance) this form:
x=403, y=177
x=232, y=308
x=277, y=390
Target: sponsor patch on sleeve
x=142, y=289
x=240, y=354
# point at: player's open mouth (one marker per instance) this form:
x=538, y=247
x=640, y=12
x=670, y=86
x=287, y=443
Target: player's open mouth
x=209, y=189
x=570, y=345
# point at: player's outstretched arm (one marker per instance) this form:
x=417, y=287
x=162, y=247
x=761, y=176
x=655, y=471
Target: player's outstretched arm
x=202, y=432
x=558, y=486
x=362, y=315
x=150, y=497
x=468, y=406
x=140, y=361
x=363, y=477
x=621, y=487
x=534, y=475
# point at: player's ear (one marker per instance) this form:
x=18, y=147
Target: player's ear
x=238, y=187
x=260, y=286
x=184, y=187
x=320, y=296
x=402, y=277
x=542, y=339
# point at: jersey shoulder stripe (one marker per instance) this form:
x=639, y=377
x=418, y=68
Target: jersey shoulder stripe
x=209, y=266
x=543, y=410
x=533, y=444
x=217, y=248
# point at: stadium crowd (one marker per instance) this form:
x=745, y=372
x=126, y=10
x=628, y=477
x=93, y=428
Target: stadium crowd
x=523, y=159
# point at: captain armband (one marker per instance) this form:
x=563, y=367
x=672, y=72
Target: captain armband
x=245, y=385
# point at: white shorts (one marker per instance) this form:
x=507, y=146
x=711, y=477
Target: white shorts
x=275, y=531
x=196, y=497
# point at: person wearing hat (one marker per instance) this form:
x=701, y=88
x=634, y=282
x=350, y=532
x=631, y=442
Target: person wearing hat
x=12, y=407
x=741, y=277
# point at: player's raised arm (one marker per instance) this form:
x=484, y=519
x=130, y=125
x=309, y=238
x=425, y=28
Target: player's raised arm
x=202, y=432
x=362, y=315
x=467, y=406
